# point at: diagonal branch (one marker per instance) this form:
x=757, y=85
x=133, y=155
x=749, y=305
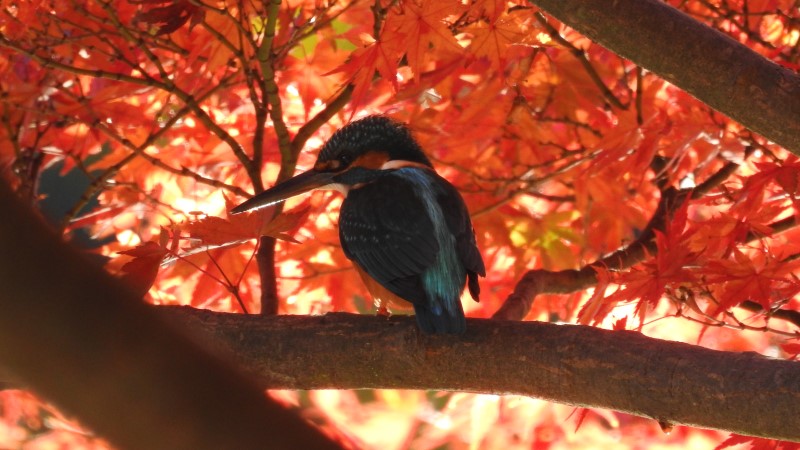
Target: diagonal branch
x=673, y=382
x=540, y=281
x=536, y=282
x=99, y=182
x=745, y=86
x=309, y=128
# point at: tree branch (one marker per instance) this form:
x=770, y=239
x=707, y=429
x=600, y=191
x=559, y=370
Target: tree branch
x=266, y=61
x=541, y=281
x=309, y=128
x=747, y=87
x=673, y=382
x=265, y=257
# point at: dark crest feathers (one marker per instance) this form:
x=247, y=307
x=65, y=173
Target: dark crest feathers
x=373, y=133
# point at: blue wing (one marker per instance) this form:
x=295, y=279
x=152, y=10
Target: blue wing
x=410, y=231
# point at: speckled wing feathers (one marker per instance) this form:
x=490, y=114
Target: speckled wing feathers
x=387, y=228
x=381, y=229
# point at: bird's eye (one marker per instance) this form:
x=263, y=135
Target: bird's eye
x=345, y=160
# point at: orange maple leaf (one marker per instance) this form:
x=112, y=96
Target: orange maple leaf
x=491, y=40
x=424, y=29
x=674, y=249
x=598, y=306
x=757, y=277
x=216, y=231
x=382, y=56
x=140, y=272
x=785, y=174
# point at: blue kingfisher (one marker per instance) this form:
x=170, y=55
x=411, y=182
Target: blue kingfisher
x=405, y=228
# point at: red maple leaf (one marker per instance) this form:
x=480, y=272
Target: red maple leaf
x=218, y=232
x=381, y=56
x=140, y=273
x=425, y=29
x=491, y=40
x=792, y=349
x=171, y=16
x=756, y=277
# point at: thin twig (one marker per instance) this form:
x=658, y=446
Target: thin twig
x=100, y=180
x=581, y=56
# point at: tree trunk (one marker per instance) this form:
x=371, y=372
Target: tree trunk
x=81, y=339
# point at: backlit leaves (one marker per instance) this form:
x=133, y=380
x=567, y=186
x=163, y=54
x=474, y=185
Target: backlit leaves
x=492, y=39
x=170, y=109
x=426, y=26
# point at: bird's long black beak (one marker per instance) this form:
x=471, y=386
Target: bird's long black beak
x=296, y=185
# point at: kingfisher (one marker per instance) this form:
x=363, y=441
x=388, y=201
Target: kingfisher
x=405, y=228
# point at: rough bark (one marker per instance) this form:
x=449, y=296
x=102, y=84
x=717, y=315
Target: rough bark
x=76, y=336
x=673, y=382
x=709, y=65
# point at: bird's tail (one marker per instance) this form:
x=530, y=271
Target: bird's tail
x=438, y=320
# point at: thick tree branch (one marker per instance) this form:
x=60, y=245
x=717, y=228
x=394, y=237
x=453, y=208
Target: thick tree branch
x=622, y=370
x=759, y=94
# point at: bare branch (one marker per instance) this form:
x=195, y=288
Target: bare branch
x=311, y=127
x=581, y=56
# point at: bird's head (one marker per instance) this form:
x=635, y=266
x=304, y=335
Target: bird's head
x=355, y=154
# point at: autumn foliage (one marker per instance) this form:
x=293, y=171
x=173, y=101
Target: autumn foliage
x=681, y=223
